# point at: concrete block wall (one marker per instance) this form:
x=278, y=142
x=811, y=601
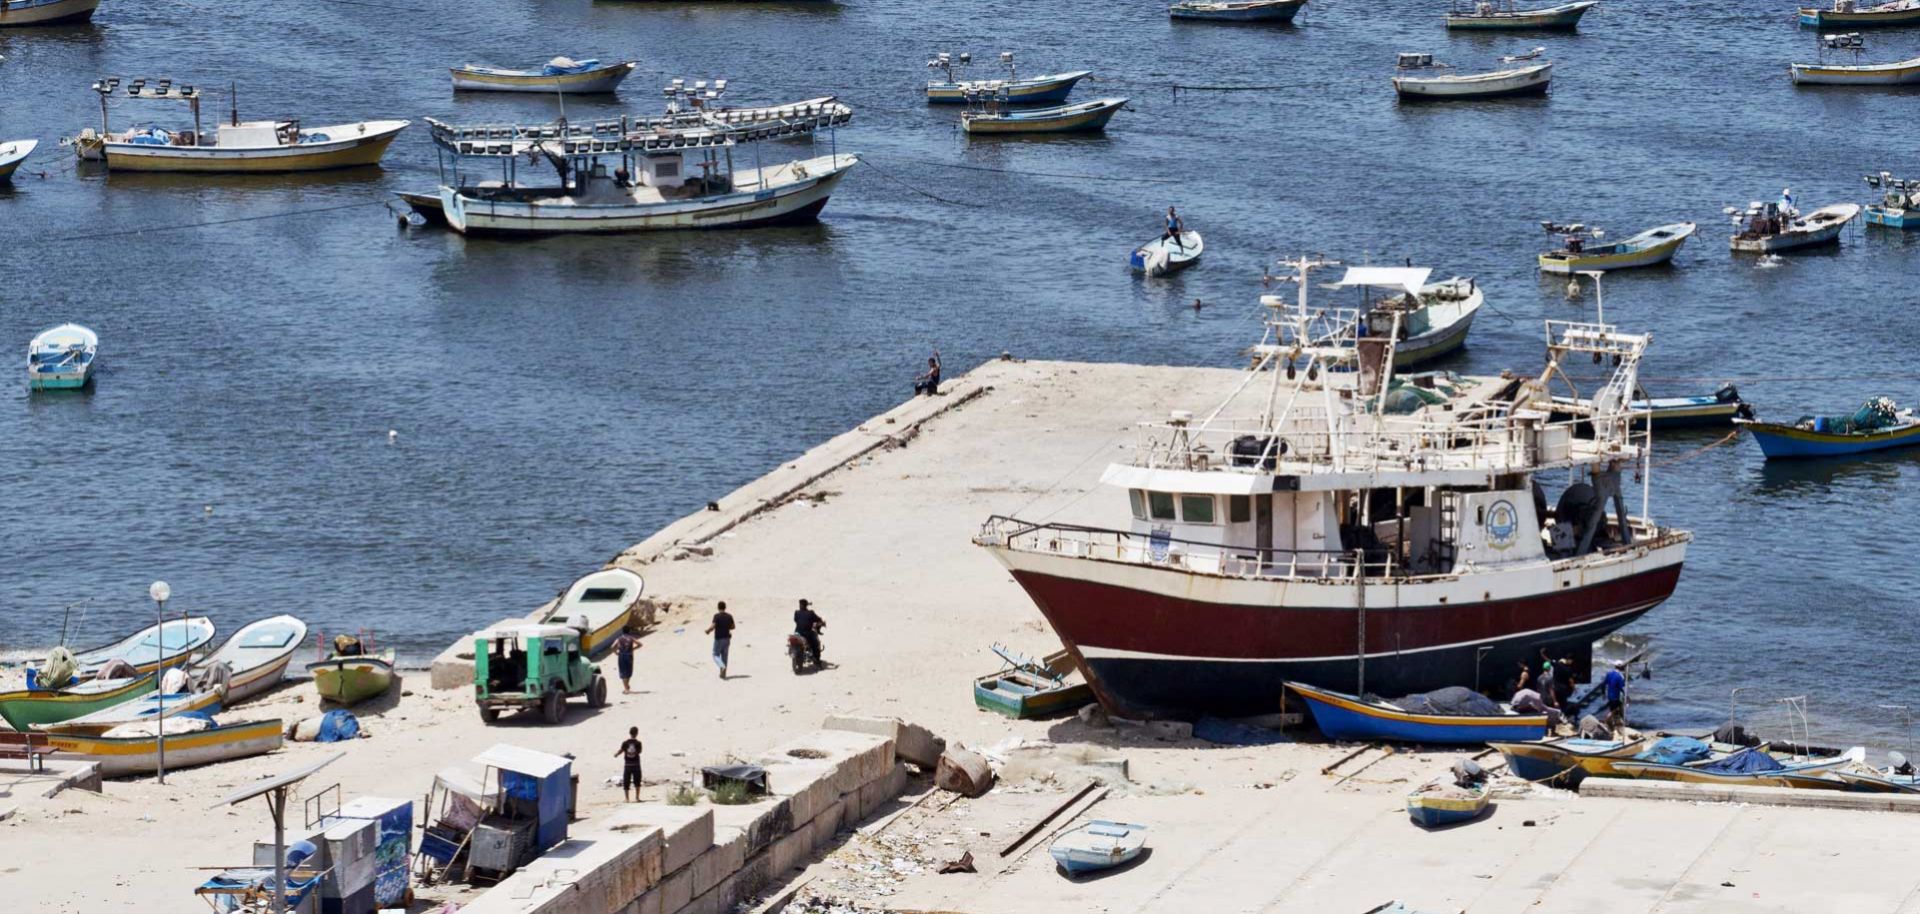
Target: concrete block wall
x=655, y=858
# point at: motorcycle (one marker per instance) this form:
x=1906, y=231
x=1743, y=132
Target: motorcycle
x=798, y=653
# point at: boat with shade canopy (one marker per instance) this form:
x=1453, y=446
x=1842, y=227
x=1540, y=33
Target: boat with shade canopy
x=234, y=146
x=1425, y=320
x=561, y=74
x=1050, y=88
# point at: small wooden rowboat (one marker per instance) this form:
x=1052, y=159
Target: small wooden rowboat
x=257, y=656
x=26, y=708
x=167, y=644
x=1877, y=426
x=1442, y=803
x=1852, y=14
x=12, y=153
x=1353, y=719
x=350, y=677
x=1564, y=761
x=188, y=743
x=560, y=74
x=1085, y=117
x=1502, y=15
x=1269, y=11
x=1098, y=845
x=1651, y=247
x=1532, y=79
x=1165, y=255
x=45, y=12
x=1026, y=689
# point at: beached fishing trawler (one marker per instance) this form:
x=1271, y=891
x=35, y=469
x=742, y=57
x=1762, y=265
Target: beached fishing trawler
x=235, y=146
x=1331, y=526
x=677, y=171
x=1899, y=205
x=45, y=12
x=1503, y=15
x=1047, y=88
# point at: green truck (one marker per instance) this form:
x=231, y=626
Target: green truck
x=520, y=667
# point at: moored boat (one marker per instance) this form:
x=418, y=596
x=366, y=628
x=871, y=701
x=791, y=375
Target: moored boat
x=1424, y=321
x=1878, y=425
x=62, y=358
x=1899, y=205
x=25, y=708
x=1442, y=802
x=46, y=12
x=352, y=673
x=1050, y=88
x=1263, y=535
x=1081, y=117
x=678, y=171
x=1268, y=11
x=1532, y=79
x=1579, y=252
x=12, y=153
x=561, y=74
x=1025, y=689
x=1852, y=13
x=235, y=146
x=598, y=606
x=1165, y=255
x=1753, y=766
x=1897, y=73
x=1563, y=760
x=135, y=748
x=169, y=643
x=1721, y=407
x=1098, y=845
x=1769, y=227
x=151, y=706
x=256, y=657
x=1351, y=718
x=1503, y=15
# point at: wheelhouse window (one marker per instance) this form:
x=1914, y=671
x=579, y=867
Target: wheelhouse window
x=1139, y=501
x=1196, y=509
x=1160, y=506
x=1239, y=509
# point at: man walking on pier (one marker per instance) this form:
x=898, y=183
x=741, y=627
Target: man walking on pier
x=722, y=632
x=629, y=753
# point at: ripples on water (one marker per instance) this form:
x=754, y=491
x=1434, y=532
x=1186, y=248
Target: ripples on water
x=556, y=400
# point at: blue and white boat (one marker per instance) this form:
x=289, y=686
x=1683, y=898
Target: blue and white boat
x=12, y=153
x=1722, y=407
x=993, y=116
x=1270, y=11
x=1899, y=205
x=1350, y=718
x=1877, y=425
x=1165, y=255
x=1098, y=845
x=1442, y=803
x=1047, y=89
x=62, y=358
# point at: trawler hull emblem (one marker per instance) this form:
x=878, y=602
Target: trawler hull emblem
x=1503, y=525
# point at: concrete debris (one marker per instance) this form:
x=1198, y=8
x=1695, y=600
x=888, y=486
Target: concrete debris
x=1095, y=716
x=964, y=772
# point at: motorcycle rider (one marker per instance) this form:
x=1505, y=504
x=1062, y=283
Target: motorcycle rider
x=807, y=624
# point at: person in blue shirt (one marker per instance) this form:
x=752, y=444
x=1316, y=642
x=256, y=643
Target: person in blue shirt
x=1175, y=228
x=1615, y=684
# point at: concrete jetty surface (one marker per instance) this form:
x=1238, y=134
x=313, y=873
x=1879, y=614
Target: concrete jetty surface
x=877, y=536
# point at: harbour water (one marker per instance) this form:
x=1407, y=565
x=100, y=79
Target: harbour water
x=553, y=401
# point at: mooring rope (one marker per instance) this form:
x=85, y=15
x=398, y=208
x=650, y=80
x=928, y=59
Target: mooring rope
x=1689, y=455
x=931, y=196
x=194, y=225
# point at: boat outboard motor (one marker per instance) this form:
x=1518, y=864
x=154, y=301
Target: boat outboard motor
x=1576, y=518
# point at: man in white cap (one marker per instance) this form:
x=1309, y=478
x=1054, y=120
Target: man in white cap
x=1615, y=684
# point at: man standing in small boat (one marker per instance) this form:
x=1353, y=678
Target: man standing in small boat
x=1175, y=228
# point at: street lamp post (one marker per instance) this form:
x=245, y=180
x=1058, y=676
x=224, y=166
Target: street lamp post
x=160, y=592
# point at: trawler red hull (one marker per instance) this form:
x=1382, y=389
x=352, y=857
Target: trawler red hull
x=1150, y=654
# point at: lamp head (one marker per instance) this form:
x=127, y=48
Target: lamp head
x=159, y=591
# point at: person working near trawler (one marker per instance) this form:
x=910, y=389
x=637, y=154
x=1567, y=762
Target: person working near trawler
x=1615, y=685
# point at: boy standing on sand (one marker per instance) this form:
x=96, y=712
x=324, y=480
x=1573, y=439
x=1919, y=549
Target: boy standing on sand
x=629, y=753
x=722, y=632
x=623, y=648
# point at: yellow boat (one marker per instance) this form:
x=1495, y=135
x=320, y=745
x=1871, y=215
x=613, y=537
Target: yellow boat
x=187, y=745
x=1085, y=117
x=233, y=147
x=45, y=12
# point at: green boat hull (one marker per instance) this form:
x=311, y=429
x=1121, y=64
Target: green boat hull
x=351, y=680
x=24, y=708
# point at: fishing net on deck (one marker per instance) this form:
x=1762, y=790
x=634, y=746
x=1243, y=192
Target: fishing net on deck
x=1452, y=701
x=1746, y=761
x=1875, y=414
x=1674, y=750
x=561, y=66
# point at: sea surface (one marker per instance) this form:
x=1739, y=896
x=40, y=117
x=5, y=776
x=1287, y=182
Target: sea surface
x=305, y=407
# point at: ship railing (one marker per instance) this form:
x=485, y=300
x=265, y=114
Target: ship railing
x=680, y=130
x=1165, y=551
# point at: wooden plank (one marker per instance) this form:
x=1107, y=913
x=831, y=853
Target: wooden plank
x=1057, y=810
x=1349, y=757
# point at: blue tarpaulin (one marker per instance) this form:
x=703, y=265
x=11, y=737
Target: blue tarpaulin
x=1746, y=761
x=1675, y=750
x=337, y=726
x=561, y=66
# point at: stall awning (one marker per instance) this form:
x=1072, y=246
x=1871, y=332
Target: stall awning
x=530, y=762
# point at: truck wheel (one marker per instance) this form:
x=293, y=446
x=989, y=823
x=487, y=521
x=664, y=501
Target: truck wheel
x=489, y=715
x=553, y=706
x=597, y=693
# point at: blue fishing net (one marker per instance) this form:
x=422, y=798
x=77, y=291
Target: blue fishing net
x=1675, y=750
x=1746, y=761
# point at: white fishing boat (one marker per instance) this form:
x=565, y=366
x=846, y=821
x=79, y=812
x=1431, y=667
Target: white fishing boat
x=1312, y=505
x=1046, y=89
x=170, y=643
x=1853, y=44
x=135, y=749
x=1899, y=205
x=62, y=358
x=235, y=146
x=1424, y=320
x=561, y=74
x=1581, y=248
x=1098, y=845
x=1264, y=11
x=683, y=170
x=1531, y=79
x=256, y=657
x=1165, y=255
x=1764, y=228
x=45, y=12
x=12, y=153
x=598, y=606
x=1504, y=15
